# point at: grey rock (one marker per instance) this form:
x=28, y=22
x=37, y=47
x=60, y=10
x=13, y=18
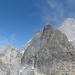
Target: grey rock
x=32, y=49
x=9, y=60
x=48, y=51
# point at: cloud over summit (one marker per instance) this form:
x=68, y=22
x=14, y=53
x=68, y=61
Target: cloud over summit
x=55, y=11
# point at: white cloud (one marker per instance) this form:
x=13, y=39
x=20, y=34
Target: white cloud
x=52, y=3
x=70, y=2
x=4, y=40
x=52, y=11
x=12, y=38
x=56, y=11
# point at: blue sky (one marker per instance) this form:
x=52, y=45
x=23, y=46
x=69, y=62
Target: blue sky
x=19, y=19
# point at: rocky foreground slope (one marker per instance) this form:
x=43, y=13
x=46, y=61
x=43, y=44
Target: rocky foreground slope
x=49, y=52
x=9, y=60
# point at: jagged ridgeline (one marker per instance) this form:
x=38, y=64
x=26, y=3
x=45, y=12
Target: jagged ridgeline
x=49, y=52
x=9, y=60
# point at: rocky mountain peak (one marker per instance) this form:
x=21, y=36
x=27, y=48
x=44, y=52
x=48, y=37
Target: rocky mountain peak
x=38, y=31
x=48, y=27
x=47, y=49
x=9, y=60
x=55, y=37
x=49, y=52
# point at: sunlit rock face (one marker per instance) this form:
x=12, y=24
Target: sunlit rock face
x=9, y=60
x=49, y=53
x=68, y=28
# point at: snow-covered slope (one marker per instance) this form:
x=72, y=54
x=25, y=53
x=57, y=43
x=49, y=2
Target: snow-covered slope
x=68, y=28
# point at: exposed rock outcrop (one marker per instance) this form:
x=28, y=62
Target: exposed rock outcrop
x=48, y=52
x=9, y=60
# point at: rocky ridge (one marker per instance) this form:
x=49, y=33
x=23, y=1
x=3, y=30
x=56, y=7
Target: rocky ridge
x=49, y=52
x=9, y=60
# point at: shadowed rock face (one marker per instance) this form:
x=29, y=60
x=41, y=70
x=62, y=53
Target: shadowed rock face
x=48, y=50
x=54, y=38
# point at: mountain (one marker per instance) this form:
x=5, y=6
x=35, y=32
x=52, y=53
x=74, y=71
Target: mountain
x=9, y=60
x=68, y=28
x=32, y=40
x=48, y=53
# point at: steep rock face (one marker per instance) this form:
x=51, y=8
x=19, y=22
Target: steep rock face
x=9, y=60
x=33, y=47
x=31, y=42
x=48, y=53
